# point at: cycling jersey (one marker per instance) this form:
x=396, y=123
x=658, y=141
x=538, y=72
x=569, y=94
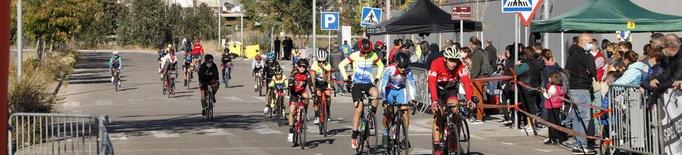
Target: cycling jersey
x=197, y=49
x=169, y=62
x=397, y=87
x=442, y=78
x=188, y=57
x=161, y=54
x=256, y=65
x=115, y=62
x=279, y=84
x=362, y=67
x=300, y=81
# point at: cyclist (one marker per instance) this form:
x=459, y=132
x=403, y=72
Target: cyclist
x=162, y=53
x=321, y=70
x=299, y=80
x=445, y=74
x=208, y=76
x=115, y=62
x=295, y=57
x=187, y=64
x=273, y=70
x=169, y=63
x=363, y=63
x=256, y=66
x=270, y=66
x=398, y=88
x=197, y=51
x=279, y=82
x=226, y=61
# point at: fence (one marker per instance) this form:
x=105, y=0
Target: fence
x=40, y=133
x=633, y=126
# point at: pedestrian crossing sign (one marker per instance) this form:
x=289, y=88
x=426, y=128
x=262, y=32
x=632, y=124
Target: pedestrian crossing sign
x=370, y=16
x=514, y=6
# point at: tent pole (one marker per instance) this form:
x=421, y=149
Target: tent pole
x=387, y=37
x=563, y=47
x=461, y=32
x=545, y=16
x=516, y=59
x=527, y=35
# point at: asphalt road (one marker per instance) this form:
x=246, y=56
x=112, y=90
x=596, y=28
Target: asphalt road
x=145, y=122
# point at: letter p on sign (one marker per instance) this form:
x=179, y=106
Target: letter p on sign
x=330, y=21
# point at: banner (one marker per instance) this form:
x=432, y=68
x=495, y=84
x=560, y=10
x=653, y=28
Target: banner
x=672, y=123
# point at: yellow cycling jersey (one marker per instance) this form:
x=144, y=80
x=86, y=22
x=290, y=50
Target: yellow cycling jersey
x=320, y=70
x=279, y=83
x=362, y=67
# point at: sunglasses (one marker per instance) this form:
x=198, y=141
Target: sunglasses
x=452, y=60
x=302, y=66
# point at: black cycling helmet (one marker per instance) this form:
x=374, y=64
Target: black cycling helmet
x=402, y=60
x=302, y=62
x=278, y=71
x=208, y=57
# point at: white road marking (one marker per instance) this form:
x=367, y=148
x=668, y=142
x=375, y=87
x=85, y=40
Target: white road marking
x=233, y=98
x=216, y=132
x=259, y=98
x=506, y=143
x=477, y=137
x=542, y=150
x=102, y=102
x=163, y=134
x=71, y=104
x=118, y=136
x=265, y=130
x=421, y=151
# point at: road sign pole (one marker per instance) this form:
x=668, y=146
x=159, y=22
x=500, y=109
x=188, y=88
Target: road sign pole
x=4, y=73
x=516, y=59
x=461, y=32
x=387, y=37
x=314, y=26
x=20, y=40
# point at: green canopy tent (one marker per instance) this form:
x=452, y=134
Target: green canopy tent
x=607, y=16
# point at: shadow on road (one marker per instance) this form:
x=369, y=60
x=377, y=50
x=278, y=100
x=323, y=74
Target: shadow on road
x=316, y=143
x=184, y=123
x=93, y=68
x=337, y=131
x=236, y=86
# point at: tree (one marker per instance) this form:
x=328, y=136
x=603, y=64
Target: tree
x=143, y=24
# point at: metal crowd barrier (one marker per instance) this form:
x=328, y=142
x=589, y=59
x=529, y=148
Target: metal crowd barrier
x=633, y=127
x=44, y=133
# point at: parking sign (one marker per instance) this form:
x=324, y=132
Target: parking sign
x=330, y=20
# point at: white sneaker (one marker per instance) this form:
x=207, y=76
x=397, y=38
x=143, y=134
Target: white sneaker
x=112, y=79
x=265, y=110
x=317, y=120
x=290, y=137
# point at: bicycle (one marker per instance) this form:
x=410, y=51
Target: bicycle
x=300, y=124
x=367, y=124
x=170, y=79
x=324, y=114
x=459, y=142
x=227, y=70
x=189, y=73
x=117, y=78
x=398, y=142
x=260, y=81
x=209, y=103
x=277, y=103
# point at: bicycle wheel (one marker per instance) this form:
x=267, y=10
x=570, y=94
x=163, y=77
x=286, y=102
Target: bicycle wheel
x=395, y=138
x=302, y=133
x=260, y=87
x=372, y=133
x=464, y=137
x=457, y=145
x=323, y=116
x=362, y=137
x=404, y=140
x=189, y=79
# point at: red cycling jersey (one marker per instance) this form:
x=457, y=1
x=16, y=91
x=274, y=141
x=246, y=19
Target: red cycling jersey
x=439, y=74
x=300, y=81
x=197, y=49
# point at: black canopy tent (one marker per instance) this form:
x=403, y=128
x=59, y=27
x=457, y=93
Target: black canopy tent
x=422, y=17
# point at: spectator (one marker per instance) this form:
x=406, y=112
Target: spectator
x=537, y=48
x=529, y=72
x=277, y=48
x=656, y=70
x=288, y=47
x=396, y=47
x=335, y=57
x=345, y=49
x=550, y=66
x=625, y=47
x=554, y=93
x=671, y=76
x=582, y=72
x=435, y=53
x=480, y=66
x=507, y=86
x=613, y=53
x=605, y=43
x=635, y=72
x=492, y=52
x=657, y=40
x=597, y=91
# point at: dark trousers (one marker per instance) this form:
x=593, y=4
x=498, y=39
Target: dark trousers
x=507, y=99
x=287, y=53
x=554, y=116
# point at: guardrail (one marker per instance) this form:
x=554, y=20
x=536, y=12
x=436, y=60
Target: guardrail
x=633, y=126
x=46, y=133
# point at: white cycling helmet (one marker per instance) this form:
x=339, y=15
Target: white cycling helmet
x=322, y=55
x=452, y=53
x=114, y=52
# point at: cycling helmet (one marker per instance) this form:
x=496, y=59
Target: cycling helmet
x=271, y=56
x=114, y=52
x=258, y=57
x=452, y=53
x=208, y=57
x=322, y=55
x=379, y=44
x=302, y=62
x=365, y=46
x=278, y=71
x=402, y=60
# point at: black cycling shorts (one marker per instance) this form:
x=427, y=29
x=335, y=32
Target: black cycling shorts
x=295, y=97
x=357, y=91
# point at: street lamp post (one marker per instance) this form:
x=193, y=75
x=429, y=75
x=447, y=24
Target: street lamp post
x=20, y=40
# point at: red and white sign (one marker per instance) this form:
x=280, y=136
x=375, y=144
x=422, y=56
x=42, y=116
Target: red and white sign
x=461, y=12
x=527, y=16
